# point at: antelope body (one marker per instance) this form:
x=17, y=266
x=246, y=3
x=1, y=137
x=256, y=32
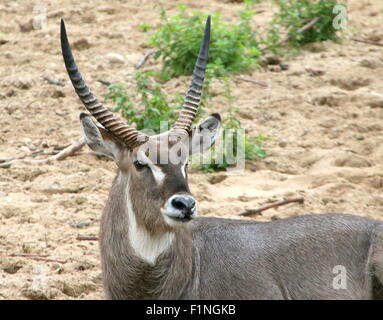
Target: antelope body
x=153, y=245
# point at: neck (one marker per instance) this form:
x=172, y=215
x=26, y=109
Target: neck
x=137, y=263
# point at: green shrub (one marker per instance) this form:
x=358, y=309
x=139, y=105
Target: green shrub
x=153, y=104
x=233, y=48
x=294, y=14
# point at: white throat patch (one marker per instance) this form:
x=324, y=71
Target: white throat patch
x=145, y=245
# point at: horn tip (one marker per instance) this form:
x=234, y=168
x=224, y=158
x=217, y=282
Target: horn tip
x=84, y=115
x=216, y=115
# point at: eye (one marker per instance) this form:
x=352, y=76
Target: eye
x=139, y=165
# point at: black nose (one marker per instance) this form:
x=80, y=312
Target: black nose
x=184, y=204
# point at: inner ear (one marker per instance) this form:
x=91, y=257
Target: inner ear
x=100, y=140
x=205, y=134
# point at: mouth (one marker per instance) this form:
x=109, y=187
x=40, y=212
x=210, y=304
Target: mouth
x=181, y=219
x=178, y=220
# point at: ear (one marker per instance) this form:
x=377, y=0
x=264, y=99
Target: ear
x=98, y=139
x=205, y=134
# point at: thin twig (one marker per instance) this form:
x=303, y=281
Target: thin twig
x=34, y=153
x=258, y=82
x=87, y=238
x=375, y=43
x=258, y=210
x=38, y=257
x=145, y=57
x=309, y=25
x=68, y=151
x=55, y=82
x=104, y=82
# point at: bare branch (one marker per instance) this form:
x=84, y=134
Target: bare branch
x=146, y=56
x=68, y=151
x=87, y=238
x=55, y=82
x=380, y=44
x=38, y=257
x=104, y=82
x=309, y=25
x=258, y=210
x=258, y=82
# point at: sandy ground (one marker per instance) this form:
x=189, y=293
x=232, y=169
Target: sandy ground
x=323, y=117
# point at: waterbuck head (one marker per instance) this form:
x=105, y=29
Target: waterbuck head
x=155, y=167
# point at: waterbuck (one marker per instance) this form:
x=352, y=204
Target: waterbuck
x=153, y=245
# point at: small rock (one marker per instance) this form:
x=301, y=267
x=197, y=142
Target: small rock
x=353, y=161
x=245, y=114
x=81, y=44
x=284, y=66
x=75, y=289
x=8, y=212
x=58, y=94
x=376, y=102
x=25, y=149
x=10, y=93
x=315, y=47
x=22, y=84
x=315, y=72
x=282, y=144
x=26, y=26
x=10, y=266
x=275, y=68
x=350, y=83
x=81, y=200
x=83, y=265
x=56, y=14
x=39, y=294
x=214, y=179
x=371, y=63
x=273, y=60
x=80, y=225
x=115, y=58
x=244, y=198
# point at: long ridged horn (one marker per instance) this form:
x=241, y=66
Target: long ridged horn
x=193, y=96
x=130, y=136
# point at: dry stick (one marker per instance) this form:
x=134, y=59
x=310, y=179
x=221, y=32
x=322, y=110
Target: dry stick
x=309, y=25
x=55, y=82
x=33, y=154
x=380, y=44
x=68, y=151
x=36, y=257
x=104, y=82
x=142, y=61
x=258, y=82
x=87, y=238
x=258, y=210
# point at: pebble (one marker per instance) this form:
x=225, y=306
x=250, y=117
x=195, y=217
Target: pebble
x=217, y=178
x=115, y=58
x=81, y=44
x=371, y=63
x=352, y=161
